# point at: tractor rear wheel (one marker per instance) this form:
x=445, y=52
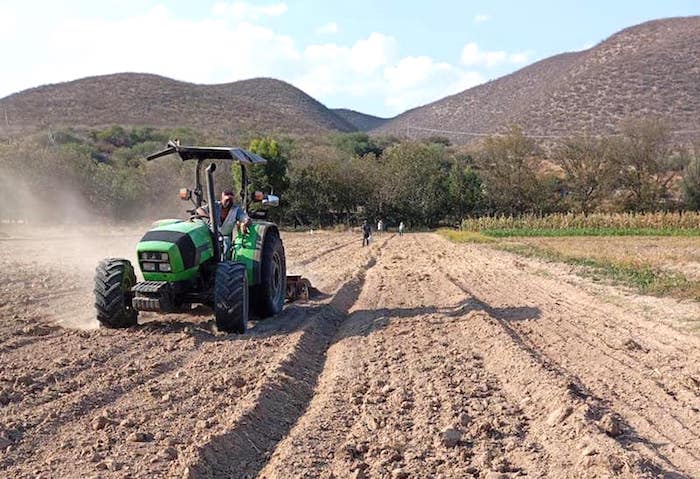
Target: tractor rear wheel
x=231, y=297
x=114, y=279
x=268, y=296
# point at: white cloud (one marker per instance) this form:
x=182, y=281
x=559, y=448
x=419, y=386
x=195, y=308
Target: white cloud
x=330, y=69
x=213, y=51
x=243, y=10
x=328, y=28
x=472, y=55
x=372, y=53
x=481, y=18
x=9, y=22
x=372, y=68
x=413, y=71
x=233, y=43
x=415, y=81
x=519, y=58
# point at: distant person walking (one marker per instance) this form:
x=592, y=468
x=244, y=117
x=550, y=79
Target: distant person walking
x=366, y=234
x=401, y=228
x=380, y=227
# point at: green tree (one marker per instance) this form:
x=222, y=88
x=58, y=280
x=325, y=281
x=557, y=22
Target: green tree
x=510, y=167
x=465, y=191
x=691, y=179
x=589, y=172
x=645, y=163
x=307, y=199
x=270, y=176
x=438, y=140
x=412, y=184
x=115, y=135
x=356, y=144
x=274, y=173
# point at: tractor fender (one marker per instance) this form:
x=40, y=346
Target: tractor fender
x=263, y=228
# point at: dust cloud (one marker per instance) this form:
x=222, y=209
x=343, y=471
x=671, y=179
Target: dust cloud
x=50, y=244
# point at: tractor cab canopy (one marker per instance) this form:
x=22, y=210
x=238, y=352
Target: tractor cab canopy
x=244, y=157
x=201, y=154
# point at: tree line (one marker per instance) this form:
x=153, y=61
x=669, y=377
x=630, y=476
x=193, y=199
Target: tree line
x=431, y=182
x=345, y=178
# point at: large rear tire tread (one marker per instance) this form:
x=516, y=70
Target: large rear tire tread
x=231, y=297
x=114, y=279
x=269, y=295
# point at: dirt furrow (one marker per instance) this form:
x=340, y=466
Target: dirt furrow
x=577, y=341
x=129, y=402
x=254, y=429
x=320, y=255
x=399, y=394
x=418, y=358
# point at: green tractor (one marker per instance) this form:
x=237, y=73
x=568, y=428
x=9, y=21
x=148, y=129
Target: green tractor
x=183, y=262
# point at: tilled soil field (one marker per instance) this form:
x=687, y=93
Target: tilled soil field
x=417, y=358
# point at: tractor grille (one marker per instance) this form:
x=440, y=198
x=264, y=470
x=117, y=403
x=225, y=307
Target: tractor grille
x=152, y=296
x=150, y=287
x=147, y=304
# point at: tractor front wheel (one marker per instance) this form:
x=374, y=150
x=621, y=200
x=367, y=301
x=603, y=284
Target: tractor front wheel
x=114, y=279
x=231, y=297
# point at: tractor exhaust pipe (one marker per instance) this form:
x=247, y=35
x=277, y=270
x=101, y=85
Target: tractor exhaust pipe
x=211, y=202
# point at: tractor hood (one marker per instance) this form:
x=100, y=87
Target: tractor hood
x=174, y=249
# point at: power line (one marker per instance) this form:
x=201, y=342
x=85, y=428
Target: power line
x=410, y=127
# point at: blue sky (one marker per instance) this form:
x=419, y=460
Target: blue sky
x=378, y=57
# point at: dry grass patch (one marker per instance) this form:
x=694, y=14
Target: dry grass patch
x=464, y=236
x=656, y=266
x=672, y=254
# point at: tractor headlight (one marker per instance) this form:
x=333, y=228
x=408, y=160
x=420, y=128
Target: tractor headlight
x=155, y=261
x=154, y=256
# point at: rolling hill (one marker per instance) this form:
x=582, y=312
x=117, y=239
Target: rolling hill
x=648, y=69
x=361, y=121
x=260, y=104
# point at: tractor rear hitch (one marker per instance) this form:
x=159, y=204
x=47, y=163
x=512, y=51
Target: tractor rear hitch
x=298, y=288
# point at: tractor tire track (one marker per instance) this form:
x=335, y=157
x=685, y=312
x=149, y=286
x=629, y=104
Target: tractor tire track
x=266, y=415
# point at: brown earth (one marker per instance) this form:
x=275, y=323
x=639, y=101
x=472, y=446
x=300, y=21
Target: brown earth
x=418, y=358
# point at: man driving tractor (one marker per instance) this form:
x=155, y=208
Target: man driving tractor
x=229, y=216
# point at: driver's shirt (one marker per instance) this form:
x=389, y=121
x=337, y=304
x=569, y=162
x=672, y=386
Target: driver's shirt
x=228, y=224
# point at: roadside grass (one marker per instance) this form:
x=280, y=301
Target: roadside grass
x=643, y=277
x=458, y=236
x=629, y=262
x=562, y=232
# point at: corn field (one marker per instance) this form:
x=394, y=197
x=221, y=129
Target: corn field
x=659, y=220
